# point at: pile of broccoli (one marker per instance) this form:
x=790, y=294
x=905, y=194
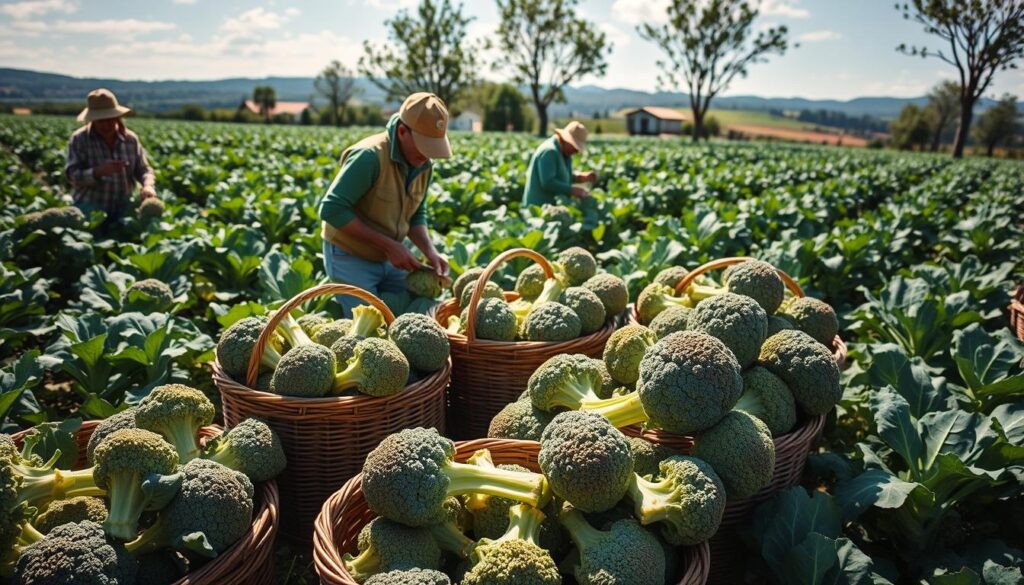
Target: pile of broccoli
x=578, y=300
x=314, y=356
x=156, y=501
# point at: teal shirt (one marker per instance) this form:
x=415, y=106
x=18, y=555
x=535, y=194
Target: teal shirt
x=549, y=174
x=358, y=174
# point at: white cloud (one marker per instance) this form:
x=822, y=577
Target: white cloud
x=783, y=8
x=128, y=27
x=392, y=5
x=251, y=21
x=188, y=2
x=640, y=11
x=817, y=36
x=31, y=8
x=615, y=35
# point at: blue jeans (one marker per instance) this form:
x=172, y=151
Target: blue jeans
x=373, y=277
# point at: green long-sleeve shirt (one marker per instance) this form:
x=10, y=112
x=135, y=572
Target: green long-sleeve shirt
x=549, y=174
x=358, y=174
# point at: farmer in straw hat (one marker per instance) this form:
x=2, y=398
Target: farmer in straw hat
x=106, y=160
x=378, y=198
x=550, y=171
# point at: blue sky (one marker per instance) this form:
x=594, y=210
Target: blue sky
x=846, y=46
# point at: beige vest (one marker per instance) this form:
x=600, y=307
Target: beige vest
x=386, y=208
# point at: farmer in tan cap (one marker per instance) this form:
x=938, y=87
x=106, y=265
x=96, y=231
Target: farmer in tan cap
x=378, y=198
x=106, y=160
x=550, y=171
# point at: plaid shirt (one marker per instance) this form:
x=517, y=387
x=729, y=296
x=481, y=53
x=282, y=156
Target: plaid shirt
x=87, y=150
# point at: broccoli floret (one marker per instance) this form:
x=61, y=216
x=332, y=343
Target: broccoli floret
x=344, y=348
x=814, y=317
x=306, y=371
x=530, y=282
x=76, y=509
x=310, y=322
x=737, y=320
x=655, y=298
x=752, y=278
x=647, y=455
x=519, y=420
x=148, y=295
x=137, y=468
x=250, y=447
x=115, y=422
x=740, y=450
x=211, y=511
x=686, y=498
x=608, y=384
x=671, y=276
x=579, y=265
x=389, y=546
x=624, y=553
x=671, y=320
x=586, y=460
x=377, y=368
x=424, y=283
x=464, y=280
x=778, y=323
x=407, y=477
x=564, y=381
x=625, y=349
x=331, y=332
x=806, y=366
x=688, y=381
x=552, y=322
x=236, y=344
x=494, y=320
x=559, y=214
x=515, y=558
x=151, y=208
x=767, y=397
x=611, y=290
x=367, y=321
x=587, y=306
x=76, y=554
x=491, y=291
x=421, y=340
x=176, y=412
x=410, y=577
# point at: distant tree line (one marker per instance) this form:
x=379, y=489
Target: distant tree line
x=859, y=125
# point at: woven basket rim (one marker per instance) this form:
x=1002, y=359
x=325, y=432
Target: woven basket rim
x=463, y=341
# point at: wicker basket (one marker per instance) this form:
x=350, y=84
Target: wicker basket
x=326, y=439
x=248, y=561
x=346, y=512
x=487, y=375
x=1017, y=313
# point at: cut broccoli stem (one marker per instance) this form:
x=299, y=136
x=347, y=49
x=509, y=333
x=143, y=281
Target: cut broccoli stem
x=126, y=505
x=182, y=436
x=481, y=458
x=451, y=539
x=651, y=498
x=582, y=533
x=621, y=411
x=699, y=292
x=290, y=329
x=521, y=486
x=550, y=293
x=365, y=321
x=40, y=485
x=270, y=357
x=29, y=535
x=523, y=524
x=364, y=564
x=454, y=324
x=351, y=377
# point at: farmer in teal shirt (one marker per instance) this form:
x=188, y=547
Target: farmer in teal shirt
x=550, y=171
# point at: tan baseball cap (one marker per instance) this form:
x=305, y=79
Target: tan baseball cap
x=101, y=104
x=575, y=133
x=427, y=116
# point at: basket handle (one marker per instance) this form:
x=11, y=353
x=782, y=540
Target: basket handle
x=478, y=286
x=725, y=262
x=319, y=290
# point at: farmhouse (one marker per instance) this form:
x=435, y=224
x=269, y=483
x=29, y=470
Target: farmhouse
x=468, y=121
x=652, y=120
x=293, y=109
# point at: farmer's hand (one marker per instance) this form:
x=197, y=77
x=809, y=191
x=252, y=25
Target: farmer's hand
x=590, y=177
x=111, y=167
x=439, y=263
x=579, y=192
x=147, y=192
x=400, y=257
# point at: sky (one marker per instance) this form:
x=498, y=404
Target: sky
x=846, y=47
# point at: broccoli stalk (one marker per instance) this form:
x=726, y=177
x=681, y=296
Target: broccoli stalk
x=515, y=485
x=292, y=332
x=515, y=557
x=621, y=411
x=40, y=482
x=688, y=499
x=366, y=320
x=655, y=298
x=448, y=535
x=601, y=558
x=566, y=381
x=454, y=325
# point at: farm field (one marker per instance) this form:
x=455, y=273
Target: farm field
x=918, y=476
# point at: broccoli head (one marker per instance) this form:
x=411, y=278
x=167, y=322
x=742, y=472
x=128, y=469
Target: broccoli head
x=559, y=214
x=115, y=422
x=671, y=320
x=611, y=290
x=377, y=368
x=491, y=291
x=250, y=447
x=608, y=384
x=587, y=306
x=530, y=282
x=424, y=283
x=740, y=450
x=624, y=351
x=306, y=371
x=655, y=298
x=685, y=498
x=624, y=553
x=408, y=476
x=578, y=264
x=778, y=323
x=211, y=511
x=236, y=344
x=814, y=317
x=564, y=381
x=76, y=509
x=76, y=554
x=310, y=322
x=410, y=577
x=367, y=321
x=464, y=279
x=137, y=468
x=151, y=208
x=687, y=382
x=50, y=219
x=148, y=295
x=671, y=276
x=767, y=397
x=806, y=366
x=586, y=460
x=737, y=320
x=752, y=278
x=647, y=455
x=344, y=348
x=515, y=558
x=328, y=333
x=519, y=420
x=176, y=412
x=388, y=546
x=552, y=322
x=494, y=320
x=422, y=341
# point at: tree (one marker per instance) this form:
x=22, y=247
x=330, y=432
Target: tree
x=943, y=104
x=910, y=128
x=706, y=46
x=983, y=36
x=266, y=98
x=997, y=123
x=505, y=110
x=336, y=84
x=545, y=46
x=426, y=52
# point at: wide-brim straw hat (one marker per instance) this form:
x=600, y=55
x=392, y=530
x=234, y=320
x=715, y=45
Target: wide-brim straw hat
x=101, y=104
x=575, y=134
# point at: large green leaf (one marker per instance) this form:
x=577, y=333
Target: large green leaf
x=990, y=365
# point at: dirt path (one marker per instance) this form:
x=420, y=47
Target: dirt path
x=797, y=135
